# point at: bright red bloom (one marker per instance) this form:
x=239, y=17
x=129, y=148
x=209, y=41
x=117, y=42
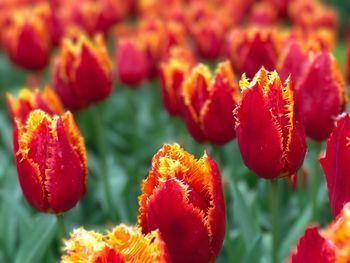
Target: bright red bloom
x=194, y=227
x=208, y=102
x=29, y=100
x=132, y=66
x=263, y=14
x=122, y=244
x=82, y=72
x=173, y=72
x=320, y=96
x=252, y=48
x=329, y=245
x=312, y=247
x=51, y=161
x=209, y=37
x=270, y=139
x=335, y=164
x=27, y=41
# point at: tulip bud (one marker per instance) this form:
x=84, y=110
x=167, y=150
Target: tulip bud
x=329, y=245
x=270, y=139
x=122, y=244
x=131, y=62
x=194, y=227
x=27, y=41
x=320, y=95
x=208, y=102
x=172, y=73
x=335, y=164
x=82, y=72
x=51, y=161
x=253, y=48
x=29, y=100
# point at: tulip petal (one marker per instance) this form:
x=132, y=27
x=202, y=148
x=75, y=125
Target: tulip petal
x=335, y=164
x=178, y=223
x=313, y=248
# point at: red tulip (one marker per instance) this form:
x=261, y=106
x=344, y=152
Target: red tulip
x=194, y=227
x=320, y=95
x=51, y=161
x=122, y=244
x=312, y=247
x=173, y=72
x=131, y=62
x=263, y=14
x=335, y=164
x=252, y=48
x=28, y=100
x=329, y=245
x=82, y=72
x=270, y=139
x=27, y=41
x=208, y=102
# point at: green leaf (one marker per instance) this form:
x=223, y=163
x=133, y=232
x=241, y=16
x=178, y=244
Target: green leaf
x=253, y=253
x=38, y=239
x=243, y=216
x=294, y=233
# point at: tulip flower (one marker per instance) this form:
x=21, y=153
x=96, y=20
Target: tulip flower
x=263, y=14
x=320, y=95
x=29, y=100
x=82, y=72
x=122, y=244
x=208, y=102
x=209, y=36
x=132, y=66
x=335, y=164
x=270, y=138
x=252, y=48
x=328, y=245
x=194, y=227
x=312, y=247
x=51, y=161
x=172, y=73
x=27, y=41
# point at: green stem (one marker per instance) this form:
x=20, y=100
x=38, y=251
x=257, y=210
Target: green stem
x=300, y=188
x=62, y=232
x=102, y=150
x=275, y=228
x=219, y=156
x=315, y=183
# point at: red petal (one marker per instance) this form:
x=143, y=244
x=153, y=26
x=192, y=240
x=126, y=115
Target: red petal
x=313, y=248
x=217, y=118
x=258, y=134
x=335, y=164
x=181, y=226
x=92, y=82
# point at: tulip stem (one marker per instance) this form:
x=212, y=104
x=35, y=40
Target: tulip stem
x=101, y=147
x=275, y=229
x=62, y=232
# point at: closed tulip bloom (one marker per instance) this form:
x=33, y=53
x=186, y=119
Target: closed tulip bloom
x=328, y=245
x=173, y=72
x=51, y=161
x=82, y=72
x=270, y=138
x=29, y=100
x=193, y=226
x=335, y=164
x=27, y=41
x=132, y=66
x=252, y=48
x=122, y=244
x=320, y=95
x=208, y=102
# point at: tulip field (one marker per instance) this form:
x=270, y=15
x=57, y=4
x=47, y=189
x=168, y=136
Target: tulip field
x=174, y=131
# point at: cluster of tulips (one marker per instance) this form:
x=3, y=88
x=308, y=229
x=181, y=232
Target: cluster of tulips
x=290, y=88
